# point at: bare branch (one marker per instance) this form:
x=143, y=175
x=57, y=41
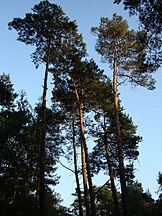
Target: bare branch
x=101, y=187
x=66, y=167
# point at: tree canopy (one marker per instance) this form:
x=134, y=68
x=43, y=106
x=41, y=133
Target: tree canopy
x=129, y=48
x=85, y=123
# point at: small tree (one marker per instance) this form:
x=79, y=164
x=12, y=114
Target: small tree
x=7, y=94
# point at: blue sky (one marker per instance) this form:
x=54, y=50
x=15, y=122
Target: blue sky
x=142, y=105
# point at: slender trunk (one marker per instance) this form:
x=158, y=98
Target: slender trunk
x=93, y=208
x=83, y=153
x=4, y=185
x=119, y=140
x=42, y=143
x=76, y=173
x=86, y=192
x=113, y=187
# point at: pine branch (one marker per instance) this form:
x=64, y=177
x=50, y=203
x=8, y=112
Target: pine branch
x=101, y=187
x=66, y=167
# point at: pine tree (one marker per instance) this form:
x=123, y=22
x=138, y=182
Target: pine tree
x=49, y=30
x=149, y=14
x=74, y=90
x=125, y=52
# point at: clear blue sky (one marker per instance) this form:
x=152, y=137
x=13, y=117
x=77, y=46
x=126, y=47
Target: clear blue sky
x=142, y=105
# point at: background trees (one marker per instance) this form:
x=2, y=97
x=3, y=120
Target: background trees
x=20, y=135
x=149, y=14
x=96, y=96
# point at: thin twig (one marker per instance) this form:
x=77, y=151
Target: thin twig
x=66, y=167
x=101, y=187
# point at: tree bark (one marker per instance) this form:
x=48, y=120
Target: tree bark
x=93, y=207
x=42, y=144
x=84, y=172
x=76, y=173
x=85, y=160
x=119, y=140
x=113, y=187
x=86, y=192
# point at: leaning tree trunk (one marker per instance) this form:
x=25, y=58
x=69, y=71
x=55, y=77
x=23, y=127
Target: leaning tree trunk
x=85, y=155
x=119, y=140
x=76, y=173
x=93, y=207
x=42, y=144
x=84, y=171
x=113, y=187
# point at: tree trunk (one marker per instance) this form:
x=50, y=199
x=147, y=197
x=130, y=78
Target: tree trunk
x=119, y=140
x=76, y=173
x=42, y=144
x=93, y=208
x=86, y=192
x=113, y=187
x=85, y=161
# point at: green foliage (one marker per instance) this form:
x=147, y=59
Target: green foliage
x=150, y=17
x=18, y=159
x=51, y=32
x=149, y=13
x=47, y=28
x=19, y=156
x=7, y=94
x=160, y=185
x=85, y=75
x=130, y=144
x=62, y=49
x=103, y=200
x=128, y=48
x=140, y=203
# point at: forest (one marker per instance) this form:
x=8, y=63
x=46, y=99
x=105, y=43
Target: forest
x=86, y=123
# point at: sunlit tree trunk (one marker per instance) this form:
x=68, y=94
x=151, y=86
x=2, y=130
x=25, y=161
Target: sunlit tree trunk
x=119, y=140
x=85, y=161
x=113, y=187
x=91, y=193
x=76, y=173
x=84, y=171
